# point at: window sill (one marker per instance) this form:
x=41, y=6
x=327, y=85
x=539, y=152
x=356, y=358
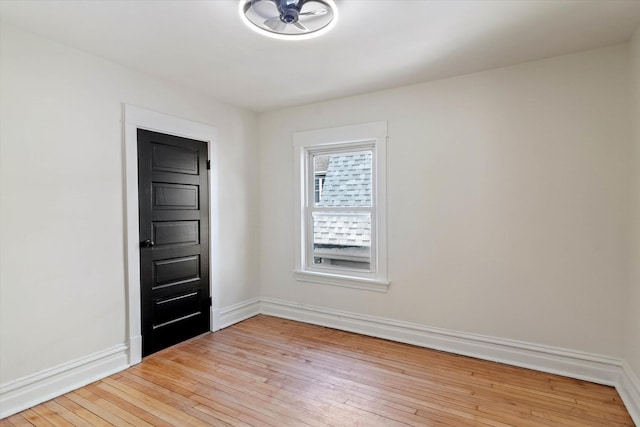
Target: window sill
x=344, y=281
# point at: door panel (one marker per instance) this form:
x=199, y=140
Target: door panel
x=176, y=308
x=174, y=236
x=176, y=271
x=176, y=232
x=171, y=159
x=174, y=196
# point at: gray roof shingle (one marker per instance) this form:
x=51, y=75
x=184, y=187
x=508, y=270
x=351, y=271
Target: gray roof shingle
x=342, y=230
x=348, y=181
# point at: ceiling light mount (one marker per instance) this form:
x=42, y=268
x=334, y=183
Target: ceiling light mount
x=289, y=19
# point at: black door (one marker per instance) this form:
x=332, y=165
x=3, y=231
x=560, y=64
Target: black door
x=174, y=239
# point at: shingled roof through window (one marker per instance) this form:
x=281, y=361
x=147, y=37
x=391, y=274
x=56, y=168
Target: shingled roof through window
x=348, y=180
x=342, y=230
x=347, y=183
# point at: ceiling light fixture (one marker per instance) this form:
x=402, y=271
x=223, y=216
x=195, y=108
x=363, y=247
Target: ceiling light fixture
x=289, y=19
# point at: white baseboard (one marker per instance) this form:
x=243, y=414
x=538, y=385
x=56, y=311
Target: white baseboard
x=31, y=390
x=239, y=312
x=629, y=390
x=590, y=367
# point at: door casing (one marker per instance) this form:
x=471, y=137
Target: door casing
x=135, y=118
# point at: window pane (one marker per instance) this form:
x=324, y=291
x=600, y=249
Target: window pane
x=342, y=239
x=342, y=179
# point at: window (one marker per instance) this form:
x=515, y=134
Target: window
x=341, y=206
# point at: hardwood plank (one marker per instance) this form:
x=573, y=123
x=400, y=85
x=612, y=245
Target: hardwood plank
x=35, y=419
x=274, y=372
x=135, y=411
x=15, y=420
x=69, y=417
x=161, y=409
x=106, y=410
x=90, y=417
x=228, y=415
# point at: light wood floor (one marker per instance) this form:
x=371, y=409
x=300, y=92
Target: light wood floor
x=268, y=371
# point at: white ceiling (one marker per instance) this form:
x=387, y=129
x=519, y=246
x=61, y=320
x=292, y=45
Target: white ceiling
x=377, y=44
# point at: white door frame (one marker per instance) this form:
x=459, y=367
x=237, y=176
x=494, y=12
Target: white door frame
x=135, y=118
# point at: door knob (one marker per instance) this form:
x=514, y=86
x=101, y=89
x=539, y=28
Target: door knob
x=147, y=244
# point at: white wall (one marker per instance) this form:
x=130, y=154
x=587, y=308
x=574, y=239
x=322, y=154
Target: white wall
x=632, y=337
x=508, y=201
x=62, y=289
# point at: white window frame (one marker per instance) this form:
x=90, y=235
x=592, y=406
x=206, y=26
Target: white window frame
x=368, y=136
